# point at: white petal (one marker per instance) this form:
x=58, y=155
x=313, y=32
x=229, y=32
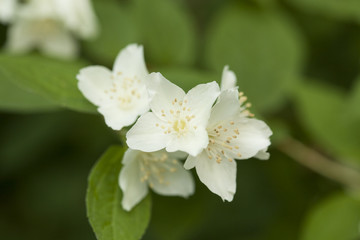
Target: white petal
x=220, y=178
x=147, y=135
x=130, y=61
x=190, y=162
x=228, y=79
x=193, y=142
x=7, y=10
x=254, y=137
x=162, y=93
x=200, y=100
x=263, y=155
x=38, y=10
x=78, y=16
x=129, y=181
x=129, y=156
x=93, y=81
x=117, y=118
x=59, y=43
x=178, y=182
x=227, y=107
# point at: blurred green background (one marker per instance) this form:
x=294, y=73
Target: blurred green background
x=296, y=60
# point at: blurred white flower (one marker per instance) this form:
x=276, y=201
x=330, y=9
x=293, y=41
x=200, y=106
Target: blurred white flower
x=120, y=94
x=160, y=171
x=7, y=10
x=232, y=135
x=50, y=27
x=177, y=121
x=78, y=16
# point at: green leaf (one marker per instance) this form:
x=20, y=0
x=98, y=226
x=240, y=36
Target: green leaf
x=341, y=9
x=52, y=79
x=321, y=111
x=106, y=215
x=354, y=104
x=167, y=32
x=188, y=78
x=262, y=47
x=15, y=99
x=117, y=29
x=336, y=218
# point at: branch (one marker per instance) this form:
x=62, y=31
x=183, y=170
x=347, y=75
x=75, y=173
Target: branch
x=319, y=163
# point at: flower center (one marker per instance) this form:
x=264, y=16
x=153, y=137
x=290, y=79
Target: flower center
x=178, y=118
x=44, y=27
x=125, y=91
x=223, y=137
x=222, y=142
x=154, y=166
x=179, y=125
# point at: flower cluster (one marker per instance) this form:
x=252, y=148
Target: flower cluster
x=48, y=25
x=209, y=126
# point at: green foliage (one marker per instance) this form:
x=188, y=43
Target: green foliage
x=344, y=9
x=354, y=104
x=262, y=47
x=18, y=151
x=108, y=219
x=15, y=99
x=52, y=79
x=117, y=29
x=179, y=227
x=322, y=110
x=166, y=31
x=45, y=157
x=335, y=218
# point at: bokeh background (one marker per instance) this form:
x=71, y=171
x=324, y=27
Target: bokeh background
x=296, y=60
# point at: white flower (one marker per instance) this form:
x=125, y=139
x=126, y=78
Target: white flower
x=121, y=94
x=177, y=121
x=161, y=171
x=232, y=135
x=50, y=26
x=7, y=10
x=228, y=79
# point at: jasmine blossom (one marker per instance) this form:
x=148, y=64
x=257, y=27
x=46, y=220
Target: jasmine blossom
x=120, y=94
x=177, y=121
x=232, y=135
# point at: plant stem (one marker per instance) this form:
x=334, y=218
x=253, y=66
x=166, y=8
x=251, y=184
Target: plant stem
x=320, y=164
x=122, y=136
